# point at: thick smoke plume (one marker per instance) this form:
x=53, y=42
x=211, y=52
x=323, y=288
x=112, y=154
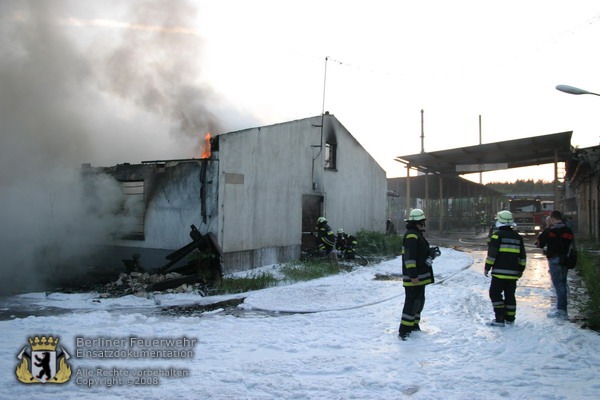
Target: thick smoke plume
x=78, y=85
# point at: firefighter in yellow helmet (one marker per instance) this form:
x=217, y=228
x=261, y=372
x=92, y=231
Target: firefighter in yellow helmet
x=325, y=235
x=505, y=260
x=417, y=271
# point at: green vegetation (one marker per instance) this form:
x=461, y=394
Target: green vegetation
x=294, y=271
x=377, y=244
x=522, y=186
x=369, y=244
x=589, y=268
x=246, y=284
x=311, y=269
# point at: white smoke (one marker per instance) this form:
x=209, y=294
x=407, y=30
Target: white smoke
x=77, y=88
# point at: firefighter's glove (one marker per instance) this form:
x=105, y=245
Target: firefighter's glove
x=429, y=261
x=486, y=272
x=434, y=252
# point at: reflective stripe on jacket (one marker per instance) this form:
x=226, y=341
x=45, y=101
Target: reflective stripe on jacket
x=415, y=250
x=326, y=235
x=506, y=256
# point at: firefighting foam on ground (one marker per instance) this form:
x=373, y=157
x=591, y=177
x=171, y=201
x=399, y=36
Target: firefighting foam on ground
x=335, y=337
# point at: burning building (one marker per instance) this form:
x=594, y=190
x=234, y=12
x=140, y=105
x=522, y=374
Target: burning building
x=258, y=191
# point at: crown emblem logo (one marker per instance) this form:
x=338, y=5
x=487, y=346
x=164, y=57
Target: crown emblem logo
x=43, y=344
x=42, y=363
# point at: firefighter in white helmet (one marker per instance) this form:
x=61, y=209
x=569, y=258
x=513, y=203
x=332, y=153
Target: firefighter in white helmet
x=346, y=244
x=417, y=271
x=505, y=260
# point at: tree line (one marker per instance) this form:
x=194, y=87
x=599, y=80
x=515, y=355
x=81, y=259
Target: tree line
x=521, y=186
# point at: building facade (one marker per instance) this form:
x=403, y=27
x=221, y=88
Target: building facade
x=581, y=205
x=259, y=191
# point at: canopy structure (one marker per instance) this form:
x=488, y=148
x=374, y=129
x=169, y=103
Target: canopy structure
x=516, y=153
x=423, y=186
x=448, y=165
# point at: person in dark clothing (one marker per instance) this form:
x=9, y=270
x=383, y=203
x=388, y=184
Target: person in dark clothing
x=325, y=235
x=506, y=259
x=346, y=244
x=493, y=229
x=557, y=238
x=417, y=272
x=390, y=229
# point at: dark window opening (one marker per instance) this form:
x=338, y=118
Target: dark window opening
x=330, y=156
x=134, y=209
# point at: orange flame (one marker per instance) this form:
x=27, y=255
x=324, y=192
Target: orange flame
x=206, y=146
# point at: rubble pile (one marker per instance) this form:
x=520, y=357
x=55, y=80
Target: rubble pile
x=144, y=284
x=194, y=268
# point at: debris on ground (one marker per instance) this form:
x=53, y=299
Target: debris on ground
x=144, y=284
x=194, y=268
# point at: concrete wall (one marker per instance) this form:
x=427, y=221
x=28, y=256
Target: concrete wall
x=264, y=172
x=355, y=193
x=249, y=193
x=582, y=196
x=588, y=209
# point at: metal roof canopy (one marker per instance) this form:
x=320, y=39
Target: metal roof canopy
x=427, y=186
x=516, y=153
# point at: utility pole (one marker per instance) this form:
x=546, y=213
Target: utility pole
x=480, y=173
x=320, y=145
x=422, y=132
x=324, y=85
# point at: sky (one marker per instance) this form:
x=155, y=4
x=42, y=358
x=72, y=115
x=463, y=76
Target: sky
x=127, y=81
x=388, y=60
x=330, y=338
x=112, y=82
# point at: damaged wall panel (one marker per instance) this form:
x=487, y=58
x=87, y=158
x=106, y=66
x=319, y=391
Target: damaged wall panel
x=176, y=195
x=249, y=193
x=182, y=195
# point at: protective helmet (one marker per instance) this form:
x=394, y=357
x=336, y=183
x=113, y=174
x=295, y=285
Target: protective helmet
x=340, y=231
x=416, y=215
x=322, y=220
x=504, y=218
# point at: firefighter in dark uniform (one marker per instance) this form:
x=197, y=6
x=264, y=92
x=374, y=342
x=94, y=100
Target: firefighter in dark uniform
x=506, y=260
x=346, y=244
x=417, y=272
x=325, y=235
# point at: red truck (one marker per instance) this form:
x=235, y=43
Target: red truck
x=530, y=213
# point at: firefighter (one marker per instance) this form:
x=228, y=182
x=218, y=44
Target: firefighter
x=346, y=244
x=325, y=235
x=483, y=222
x=417, y=272
x=505, y=260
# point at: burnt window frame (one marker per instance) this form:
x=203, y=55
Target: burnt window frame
x=131, y=188
x=331, y=156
